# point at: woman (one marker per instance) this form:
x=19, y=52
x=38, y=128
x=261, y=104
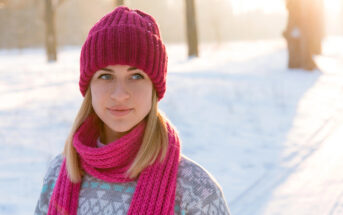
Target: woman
x=122, y=155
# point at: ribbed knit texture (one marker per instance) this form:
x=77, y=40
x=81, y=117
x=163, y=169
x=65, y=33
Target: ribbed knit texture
x=126, y=37
x=156, y=184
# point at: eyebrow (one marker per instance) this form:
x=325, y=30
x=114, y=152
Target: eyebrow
x=110, y=70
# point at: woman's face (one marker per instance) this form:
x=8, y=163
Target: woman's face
x=121, y=97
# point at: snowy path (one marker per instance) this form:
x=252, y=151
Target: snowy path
x=313, y=185
x=311, y=182
x=316, y=185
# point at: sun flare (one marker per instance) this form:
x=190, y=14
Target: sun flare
x=278, y=6
x=333, y=6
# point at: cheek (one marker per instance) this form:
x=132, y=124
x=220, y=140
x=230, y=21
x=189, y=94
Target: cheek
x=96, y=93
x=145, y=97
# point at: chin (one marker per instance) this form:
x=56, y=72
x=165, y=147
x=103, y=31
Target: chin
x=121, y=128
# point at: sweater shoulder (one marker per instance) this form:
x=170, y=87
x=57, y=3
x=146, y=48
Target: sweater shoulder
x=191, y=171
x=54, y=167
x=198, y=192
x=49, y=181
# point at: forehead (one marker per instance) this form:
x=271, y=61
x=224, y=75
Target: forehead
x=119, y=68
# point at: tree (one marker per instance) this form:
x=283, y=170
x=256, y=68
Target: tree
x=3, y=3
x=192, y=37
x=119, y=2
x=50, y=29
x=304, y=32
x=292, y=34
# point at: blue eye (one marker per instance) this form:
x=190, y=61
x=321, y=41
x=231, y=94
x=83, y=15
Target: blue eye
x=139, y=76
x=105, y=76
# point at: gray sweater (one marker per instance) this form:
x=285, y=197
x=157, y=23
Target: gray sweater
x=197, y=192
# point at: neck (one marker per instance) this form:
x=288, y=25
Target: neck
x=107, y=135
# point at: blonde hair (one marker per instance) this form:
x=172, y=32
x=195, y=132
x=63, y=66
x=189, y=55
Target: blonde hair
x=155, y=140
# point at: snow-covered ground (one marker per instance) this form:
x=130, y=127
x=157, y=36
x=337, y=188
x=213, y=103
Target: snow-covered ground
x=270, y=136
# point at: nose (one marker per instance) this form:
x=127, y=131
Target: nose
x=119, y=91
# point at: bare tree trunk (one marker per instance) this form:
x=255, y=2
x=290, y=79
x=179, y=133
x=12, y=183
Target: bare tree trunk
x=3, y=4
x=318, y=27
x=119, y=2
x=192, y=37
x=292, y=34
x=304, y=32
x=50, y=36
x=313, y=28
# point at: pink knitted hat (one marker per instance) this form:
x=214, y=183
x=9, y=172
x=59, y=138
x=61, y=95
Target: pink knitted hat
x=126, y=37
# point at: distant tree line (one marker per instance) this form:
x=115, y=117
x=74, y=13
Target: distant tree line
x=54, y=23
x=23, y=25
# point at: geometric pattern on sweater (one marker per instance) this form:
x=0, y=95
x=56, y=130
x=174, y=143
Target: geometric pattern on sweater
x=197, y=192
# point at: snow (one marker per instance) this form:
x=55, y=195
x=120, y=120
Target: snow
x=270, y=136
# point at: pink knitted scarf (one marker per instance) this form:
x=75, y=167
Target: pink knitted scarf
x=156, y=184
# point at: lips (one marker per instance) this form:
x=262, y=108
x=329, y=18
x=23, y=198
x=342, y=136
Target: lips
x=119, y=108
x=120, y=111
